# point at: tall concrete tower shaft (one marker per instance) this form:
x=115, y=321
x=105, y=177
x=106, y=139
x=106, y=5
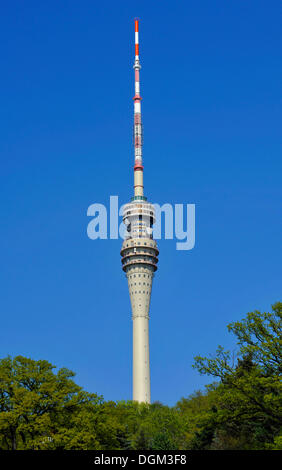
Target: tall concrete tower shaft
x=139, y=253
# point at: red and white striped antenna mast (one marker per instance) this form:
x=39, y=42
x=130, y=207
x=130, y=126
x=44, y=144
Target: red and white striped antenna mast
x=138, y=165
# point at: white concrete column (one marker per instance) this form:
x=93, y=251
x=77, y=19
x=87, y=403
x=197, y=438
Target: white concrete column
x=141, y=360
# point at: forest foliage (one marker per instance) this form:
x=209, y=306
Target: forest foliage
x=240, y=409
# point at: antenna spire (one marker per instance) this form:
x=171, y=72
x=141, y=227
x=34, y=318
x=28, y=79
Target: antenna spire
x=138, y=139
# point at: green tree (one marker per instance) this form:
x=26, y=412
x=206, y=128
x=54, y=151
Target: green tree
x=197, y=412
x=163, y=441
x=40, y=409
x=249, y=392
x=160, y=427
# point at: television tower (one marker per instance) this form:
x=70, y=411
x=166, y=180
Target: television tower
x=139, y=253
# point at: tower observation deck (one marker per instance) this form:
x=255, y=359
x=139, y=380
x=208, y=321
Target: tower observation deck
x=139, y=252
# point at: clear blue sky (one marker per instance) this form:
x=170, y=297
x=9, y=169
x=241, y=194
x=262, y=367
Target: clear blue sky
x=212, y=136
